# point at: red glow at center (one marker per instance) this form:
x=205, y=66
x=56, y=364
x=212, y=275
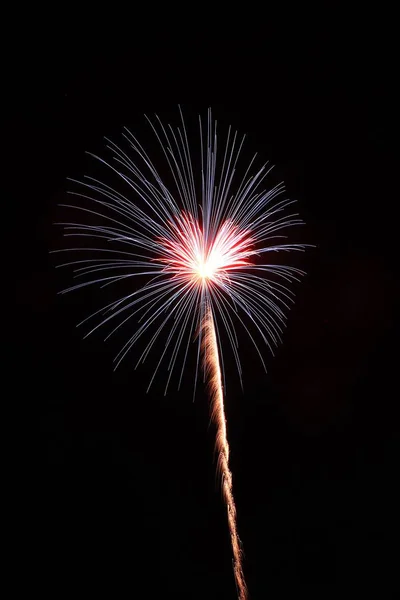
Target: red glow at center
x=187, y=252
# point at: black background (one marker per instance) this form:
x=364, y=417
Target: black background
x=124, y=500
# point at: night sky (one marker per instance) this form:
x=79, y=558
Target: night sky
x=123, y=499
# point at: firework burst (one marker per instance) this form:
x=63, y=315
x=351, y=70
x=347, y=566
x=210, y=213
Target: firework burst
x=203, y=246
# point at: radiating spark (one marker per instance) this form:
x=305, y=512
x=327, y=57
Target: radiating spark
x=200, y=247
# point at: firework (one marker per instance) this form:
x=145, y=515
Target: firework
x=198, y=246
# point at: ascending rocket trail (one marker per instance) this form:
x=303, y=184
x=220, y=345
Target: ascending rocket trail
x=214, y=379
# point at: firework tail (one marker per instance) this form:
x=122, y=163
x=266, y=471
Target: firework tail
x=213, y=374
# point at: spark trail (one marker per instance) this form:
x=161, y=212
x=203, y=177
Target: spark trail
x=213, y=372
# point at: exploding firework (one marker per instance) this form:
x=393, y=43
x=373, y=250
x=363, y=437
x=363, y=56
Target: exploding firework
x=198, y=246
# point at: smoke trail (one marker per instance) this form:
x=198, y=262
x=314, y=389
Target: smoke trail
x=213, y=374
